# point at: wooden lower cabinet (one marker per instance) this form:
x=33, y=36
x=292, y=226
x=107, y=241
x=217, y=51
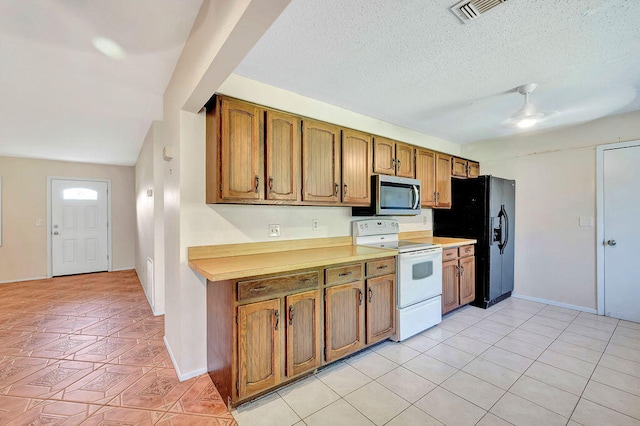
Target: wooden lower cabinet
x=263, y=332
x=303, y=332
x=458, y=277
x=258, y=347
x=344, y=319
x=381, y=308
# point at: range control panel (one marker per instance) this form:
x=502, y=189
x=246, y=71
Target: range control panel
x=368, y=227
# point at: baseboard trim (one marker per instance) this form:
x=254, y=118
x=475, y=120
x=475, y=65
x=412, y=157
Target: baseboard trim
x=129, y=268
x=24, y=279
x=186, y=376
x=554, y=303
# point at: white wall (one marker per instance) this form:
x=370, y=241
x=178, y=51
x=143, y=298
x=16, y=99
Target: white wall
x=149, y=213
x=23, y=254
x=555, y=186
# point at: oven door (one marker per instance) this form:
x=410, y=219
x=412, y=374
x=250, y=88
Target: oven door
x=419, y=276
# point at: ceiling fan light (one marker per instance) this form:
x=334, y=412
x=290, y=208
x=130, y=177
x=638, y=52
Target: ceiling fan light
x=525, y=123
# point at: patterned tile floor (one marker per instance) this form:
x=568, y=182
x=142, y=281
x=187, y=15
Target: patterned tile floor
x=519, y=362
x=86, y=349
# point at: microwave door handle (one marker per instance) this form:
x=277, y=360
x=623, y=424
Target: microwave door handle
x=416, y=194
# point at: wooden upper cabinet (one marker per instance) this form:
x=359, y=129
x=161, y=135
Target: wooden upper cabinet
x=241, y=166
x=356, y=166
x=384, y=156
x=404, y=160
x=381, y=308
x=258, y=346
x=320, y=162
x=443, y=180
x=473, y=169
x=344, y=320
x=303, y=332
x=392, y=158
x=282, y=152
x=426, y=172
x=458, y=167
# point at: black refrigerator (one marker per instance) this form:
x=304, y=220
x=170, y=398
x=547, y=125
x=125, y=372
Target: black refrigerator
x=484, y=209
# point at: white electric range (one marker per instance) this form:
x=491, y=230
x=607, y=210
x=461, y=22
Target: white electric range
x=418, y=275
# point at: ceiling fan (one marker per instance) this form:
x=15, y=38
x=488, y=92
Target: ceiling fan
x=528, y=115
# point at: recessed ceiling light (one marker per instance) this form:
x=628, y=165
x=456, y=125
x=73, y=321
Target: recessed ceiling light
x=108, y=47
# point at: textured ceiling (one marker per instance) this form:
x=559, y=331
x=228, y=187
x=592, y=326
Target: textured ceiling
x=414, y=64
x=62, y=99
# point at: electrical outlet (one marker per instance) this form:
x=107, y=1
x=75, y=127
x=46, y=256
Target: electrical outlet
x=274, y=230
x=314, y=224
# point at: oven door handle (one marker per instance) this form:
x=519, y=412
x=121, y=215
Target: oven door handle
x=416, y=195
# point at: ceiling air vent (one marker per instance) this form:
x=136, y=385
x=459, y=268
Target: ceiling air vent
x=468, y=10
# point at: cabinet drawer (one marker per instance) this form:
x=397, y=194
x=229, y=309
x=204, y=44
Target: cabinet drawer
x=275, y=285
x=466, y=251
x=450, y=253
x=343, y=274
x=381, y=267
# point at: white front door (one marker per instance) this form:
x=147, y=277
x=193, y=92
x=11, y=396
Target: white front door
x=621, y=233
x=79, y=215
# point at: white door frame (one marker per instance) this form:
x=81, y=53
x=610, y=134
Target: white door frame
x=50, y=229
x=600, y=149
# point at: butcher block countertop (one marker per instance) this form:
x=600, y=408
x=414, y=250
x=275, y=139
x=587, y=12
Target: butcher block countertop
x=218, y=263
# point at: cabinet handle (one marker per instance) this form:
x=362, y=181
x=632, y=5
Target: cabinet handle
x=434, y=197
x=335, y=189
x=345, y=189
x=461, y=270
x=270, y=184
x=259, y=288
x=457, y=270
x=398, y=164
x=290, y=314
x=383, y=267
x=370, y=294
x=277, y=314
x=257, y=183
x=437, y=197
x=360, y=296
x=345, y=274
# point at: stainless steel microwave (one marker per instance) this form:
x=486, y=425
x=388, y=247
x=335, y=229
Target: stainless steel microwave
x=392, y=196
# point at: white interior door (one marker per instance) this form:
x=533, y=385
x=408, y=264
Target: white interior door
x=621, y=233
x=79, y=215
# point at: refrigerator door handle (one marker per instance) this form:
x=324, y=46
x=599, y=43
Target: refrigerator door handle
x=504, y=229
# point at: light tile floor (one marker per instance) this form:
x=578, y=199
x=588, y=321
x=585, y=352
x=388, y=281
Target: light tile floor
x=86, y=349
x=518, y=362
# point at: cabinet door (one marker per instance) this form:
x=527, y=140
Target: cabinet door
x=443, y=180
x=356, y=166
x=473, y=170
x=381, y=308
x=404, y=161
x=450, y=286
x=384, y=156
x=467, y=279
x=344, y=319
x=282, y=151
x=426, y=172
x=303, y=332
x=320, y=162
x=241, y=155
x=258, y=347
x=458, y=167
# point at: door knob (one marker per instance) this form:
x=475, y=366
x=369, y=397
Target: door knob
x=611, y=242
x=55, y=233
